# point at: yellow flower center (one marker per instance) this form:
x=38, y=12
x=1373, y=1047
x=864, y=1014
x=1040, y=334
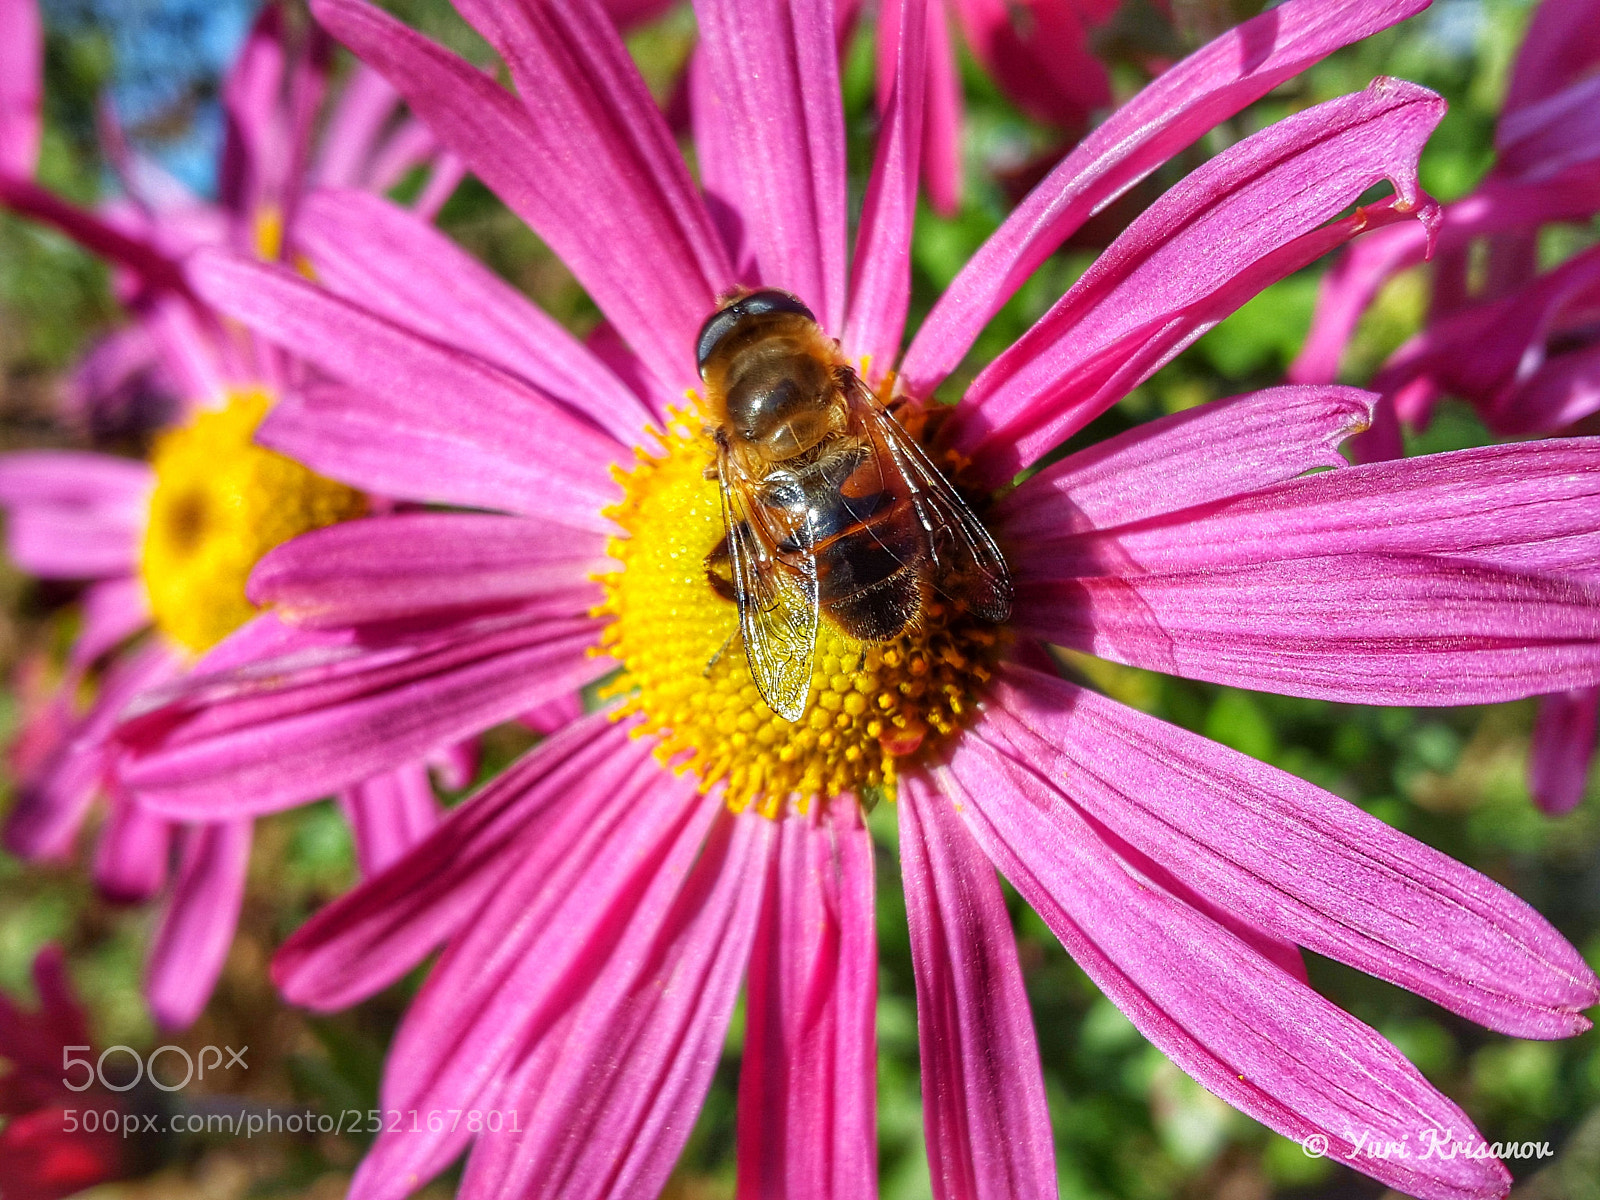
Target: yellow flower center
x=874, y=707
x=220, y=503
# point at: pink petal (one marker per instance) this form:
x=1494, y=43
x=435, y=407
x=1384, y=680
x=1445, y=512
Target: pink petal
x=1545, y=138
x=73, y=514
x=983, y=1101
x=154, y=270
x=1563, y=392
x=1530, y=506
x=1561, y=46
x=773, y=70
x=1206, y=453
x=21, y=85
x=717, y=155
x=130, y=858
x=380, y=256
x=53, y=798
x=1496, y=208
x=1250, y=1033
x=74, y=479
x=638, y=1053
x=571, y=912
x=456, y=766
x=281, y=731
x=1485, y=352
x=60, y=543
x=1441, y=580
x=443, y=389
x=370, y=937
x=388, y=568
x=880, y=288
x=1358, y=628
x=1563, y=747
x=1296, y=860
x=392, y=450
x=1245, y=218
x=255, y=150
x=1039, y=53
x=584, y=158
x=942, y=118
x=113, y=611
x=365, y=106
x=807, y=1086
x=389, y=814
x=1209, y=86
x=191, y=943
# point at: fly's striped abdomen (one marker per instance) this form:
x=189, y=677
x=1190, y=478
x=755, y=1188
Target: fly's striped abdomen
x=866, y=542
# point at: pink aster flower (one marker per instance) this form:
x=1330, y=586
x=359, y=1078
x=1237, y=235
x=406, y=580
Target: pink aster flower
x=598, y=912
x=158, y=543
x=1522, y=345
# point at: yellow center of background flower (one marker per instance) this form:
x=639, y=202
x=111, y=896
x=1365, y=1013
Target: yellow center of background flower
x=220, y=503
x=873, y=707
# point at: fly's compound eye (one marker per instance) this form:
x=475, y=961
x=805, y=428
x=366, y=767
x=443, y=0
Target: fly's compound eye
x=723, y=322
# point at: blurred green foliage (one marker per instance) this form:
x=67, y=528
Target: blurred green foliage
x=1129, y=1125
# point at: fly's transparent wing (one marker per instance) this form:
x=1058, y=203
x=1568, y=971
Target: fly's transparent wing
x=777, y=600
x=965, y=564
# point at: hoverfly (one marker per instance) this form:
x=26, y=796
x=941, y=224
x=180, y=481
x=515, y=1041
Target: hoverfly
x=829, y=505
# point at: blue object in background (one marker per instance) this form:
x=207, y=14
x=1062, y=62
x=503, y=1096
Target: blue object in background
x=169, y=60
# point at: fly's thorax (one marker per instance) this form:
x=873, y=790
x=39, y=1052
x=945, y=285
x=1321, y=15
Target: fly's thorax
x=873, y=708
x=771, y=385
x=220, y=503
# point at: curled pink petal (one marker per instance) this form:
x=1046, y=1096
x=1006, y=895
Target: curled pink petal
x=1563, y=747
x=1498, y=207
x=1209, y=86
x=808, y=1083
x=983, y=1101
x=1206, y=453
x=1245, y=218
